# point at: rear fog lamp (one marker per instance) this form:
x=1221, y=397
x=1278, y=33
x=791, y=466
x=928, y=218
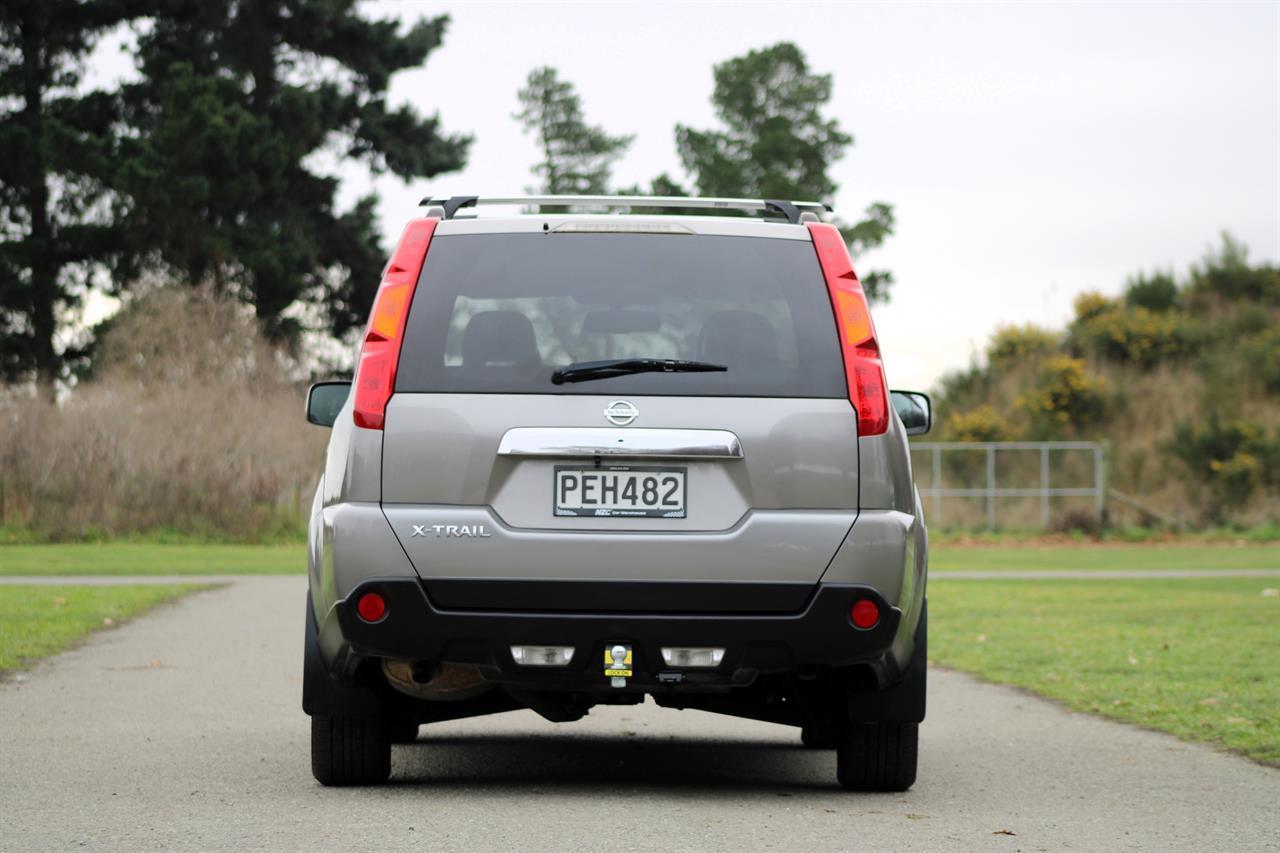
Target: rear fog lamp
x=691, y=656
x=542, y=655
x=371, y=607
x=865, y=614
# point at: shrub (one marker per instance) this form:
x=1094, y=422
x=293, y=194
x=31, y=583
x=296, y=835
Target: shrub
x=1013, y=344
x=1262, y=353
x=1157, y=293
x=1091, y=304
x=1135, y=336
x=1065, y=395
x=982, y=423
x=1233, y=459
x=1226, y=273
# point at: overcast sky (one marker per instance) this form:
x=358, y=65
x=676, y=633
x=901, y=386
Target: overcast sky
x=1031, y=151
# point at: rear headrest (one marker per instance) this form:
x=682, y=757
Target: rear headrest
x=500, y=339
x=736, y=338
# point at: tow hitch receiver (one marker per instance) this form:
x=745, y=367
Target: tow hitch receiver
x=617, y=664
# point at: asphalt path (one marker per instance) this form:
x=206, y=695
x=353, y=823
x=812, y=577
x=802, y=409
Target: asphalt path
x=182, y=730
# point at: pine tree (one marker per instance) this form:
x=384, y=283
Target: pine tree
x=577, y=158
x=238, y=105
x=57, y=149
x=775, y=142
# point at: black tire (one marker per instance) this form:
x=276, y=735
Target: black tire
x=403, y=730
x=878, y=756
x=815, y=736
x=349, y=751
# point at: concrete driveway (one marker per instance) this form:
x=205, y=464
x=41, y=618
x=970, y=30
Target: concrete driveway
x=183, y=731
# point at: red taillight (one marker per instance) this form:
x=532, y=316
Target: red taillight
x=380, y=353
x=864, y=371
x=371, y=607
x=864, y=614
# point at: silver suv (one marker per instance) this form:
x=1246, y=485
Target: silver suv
x=594, y=458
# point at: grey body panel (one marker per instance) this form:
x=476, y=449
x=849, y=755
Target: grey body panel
x=777, y=545
x=777, y=513
x=797, y=454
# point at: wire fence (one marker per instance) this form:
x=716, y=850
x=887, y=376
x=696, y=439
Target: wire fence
x=1009, y=483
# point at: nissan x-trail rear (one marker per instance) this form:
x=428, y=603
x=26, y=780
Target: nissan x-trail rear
x=592, y=458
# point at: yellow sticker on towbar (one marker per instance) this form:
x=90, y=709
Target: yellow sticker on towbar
x=617, y=661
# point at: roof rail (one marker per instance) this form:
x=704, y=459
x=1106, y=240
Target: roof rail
x=789, y=210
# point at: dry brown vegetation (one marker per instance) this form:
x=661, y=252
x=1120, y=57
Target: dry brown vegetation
x=190, y=423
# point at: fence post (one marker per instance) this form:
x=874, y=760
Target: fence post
x=991, y=487
x=1044, y=488
x=937, y=485
x=1099, y=492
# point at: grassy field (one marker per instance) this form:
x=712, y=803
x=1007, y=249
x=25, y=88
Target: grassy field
x=39, y=621
x=130, y=558
x=1197, y=658
x=944, y=558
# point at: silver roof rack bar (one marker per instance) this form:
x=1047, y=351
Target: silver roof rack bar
x=790, y=210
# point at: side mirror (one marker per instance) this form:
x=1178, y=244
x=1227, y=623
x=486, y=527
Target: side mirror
x=325, y=400
x=915, y=409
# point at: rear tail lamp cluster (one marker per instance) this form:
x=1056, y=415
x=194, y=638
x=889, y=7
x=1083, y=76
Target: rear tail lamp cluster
x=380, y=354
x=864, y=371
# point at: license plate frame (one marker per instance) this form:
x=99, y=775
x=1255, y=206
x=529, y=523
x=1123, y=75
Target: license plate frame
x=563, y=509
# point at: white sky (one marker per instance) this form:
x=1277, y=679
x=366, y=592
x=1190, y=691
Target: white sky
x=1031, y=151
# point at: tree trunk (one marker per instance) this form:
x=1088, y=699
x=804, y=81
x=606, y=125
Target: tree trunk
x=41, y=260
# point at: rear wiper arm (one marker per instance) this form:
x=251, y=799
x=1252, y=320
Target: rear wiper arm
x=585, y=371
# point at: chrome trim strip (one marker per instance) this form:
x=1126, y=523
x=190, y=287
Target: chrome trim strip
x=602, y=441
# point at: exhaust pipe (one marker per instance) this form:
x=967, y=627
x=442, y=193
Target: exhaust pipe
x=424, y=679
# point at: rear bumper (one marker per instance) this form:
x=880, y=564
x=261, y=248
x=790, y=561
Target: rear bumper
x=819, y=634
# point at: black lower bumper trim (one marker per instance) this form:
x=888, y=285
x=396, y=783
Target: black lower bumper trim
x=821, y=633
x=571, y=596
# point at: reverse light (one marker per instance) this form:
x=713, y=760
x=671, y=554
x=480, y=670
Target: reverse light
x=371, y=607
x=864, y=614
x=863, y=368
x=380, y=353
x=542, y=655
x=691, y=656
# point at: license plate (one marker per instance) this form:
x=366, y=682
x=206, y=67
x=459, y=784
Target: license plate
x=620, y=491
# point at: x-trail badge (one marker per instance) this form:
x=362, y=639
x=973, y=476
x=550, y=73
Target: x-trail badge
x=621, y=412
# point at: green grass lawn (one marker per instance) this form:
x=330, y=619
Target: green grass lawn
x=140, y=558
x=944, y=558
x=39, y=621
x=1197, y=658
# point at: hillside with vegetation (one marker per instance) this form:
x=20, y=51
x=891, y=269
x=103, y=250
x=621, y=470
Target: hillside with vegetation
x=1178, y=375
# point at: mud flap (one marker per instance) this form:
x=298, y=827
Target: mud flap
x=904, y=702
x=323, y=695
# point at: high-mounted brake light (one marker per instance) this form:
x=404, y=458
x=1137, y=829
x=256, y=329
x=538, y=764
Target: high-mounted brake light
x=863, y=368
x=380, y=353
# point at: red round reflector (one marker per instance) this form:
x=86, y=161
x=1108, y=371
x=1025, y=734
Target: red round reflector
x=865, y=613
x=371, y=607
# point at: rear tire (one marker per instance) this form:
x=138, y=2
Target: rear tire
x=404, y=730
x=350, y=751
x=815, y=736
x=877, y=756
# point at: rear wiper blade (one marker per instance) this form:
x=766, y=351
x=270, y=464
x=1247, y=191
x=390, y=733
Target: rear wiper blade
x=584, y=371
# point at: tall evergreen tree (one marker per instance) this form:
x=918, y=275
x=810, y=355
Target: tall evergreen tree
x=775, y=142
x=577, y=158
x=238, y=105
x=56, y=155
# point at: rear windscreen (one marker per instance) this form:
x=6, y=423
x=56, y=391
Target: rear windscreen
x=497, y=313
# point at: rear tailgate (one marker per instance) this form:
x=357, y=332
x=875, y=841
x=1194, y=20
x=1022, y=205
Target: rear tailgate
x=492, y=473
